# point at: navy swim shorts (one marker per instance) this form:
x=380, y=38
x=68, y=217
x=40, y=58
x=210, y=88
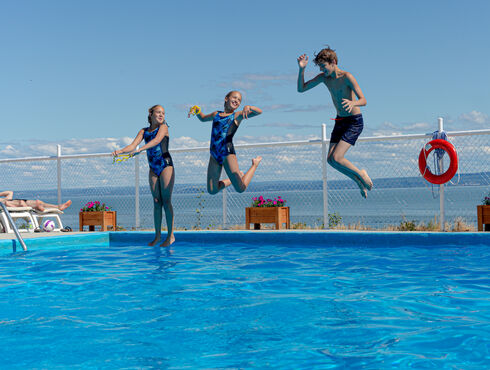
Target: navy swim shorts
x=347, y=129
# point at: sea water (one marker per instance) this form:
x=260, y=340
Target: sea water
x=382, y=208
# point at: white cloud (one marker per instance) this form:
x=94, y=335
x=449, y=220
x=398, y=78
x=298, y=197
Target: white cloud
x=388, y=128
x=474, y=116
x=187, y=142
x=418, y=126
x=38, y=168
x=9, y=151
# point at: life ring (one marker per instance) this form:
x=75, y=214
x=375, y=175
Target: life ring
x=453, y=157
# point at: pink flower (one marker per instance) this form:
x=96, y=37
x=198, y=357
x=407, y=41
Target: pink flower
x=275, y=202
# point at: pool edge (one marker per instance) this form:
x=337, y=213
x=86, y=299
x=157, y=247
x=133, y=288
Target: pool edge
x=311, y=237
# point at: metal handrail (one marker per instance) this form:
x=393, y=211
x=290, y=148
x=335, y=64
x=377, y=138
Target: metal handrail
x=16, y=231
x=255, y=145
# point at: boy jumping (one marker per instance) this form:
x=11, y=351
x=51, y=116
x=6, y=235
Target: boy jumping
x=343, y=88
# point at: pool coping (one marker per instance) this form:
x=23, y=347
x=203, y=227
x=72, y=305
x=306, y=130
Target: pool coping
x=298, y=237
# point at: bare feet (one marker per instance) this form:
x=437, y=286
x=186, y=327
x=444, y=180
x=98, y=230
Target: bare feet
x=364, y=192
x=64, y=205
x=366, y=180
x=154, y=241
x=39, y=205
x=256, y=161
x=170, y=239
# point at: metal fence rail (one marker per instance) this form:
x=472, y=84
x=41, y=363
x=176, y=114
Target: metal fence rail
x=318, y=195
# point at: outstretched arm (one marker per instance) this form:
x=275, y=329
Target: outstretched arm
x=131, y=147
x=206, y=117
x=361, y=100
x=302, y=86
x=7, y=195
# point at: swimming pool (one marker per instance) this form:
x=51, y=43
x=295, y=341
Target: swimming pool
x=290, y=300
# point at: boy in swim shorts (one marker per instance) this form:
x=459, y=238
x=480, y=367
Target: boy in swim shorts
x=344, y=89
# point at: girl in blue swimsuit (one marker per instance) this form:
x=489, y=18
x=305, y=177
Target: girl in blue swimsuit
x=161, y=174
x=225, y=124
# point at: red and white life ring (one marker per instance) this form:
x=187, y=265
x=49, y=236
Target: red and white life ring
x=453, y=157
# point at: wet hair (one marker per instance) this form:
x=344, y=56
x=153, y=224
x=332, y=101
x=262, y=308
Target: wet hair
x=150, y=111
x=326, y=55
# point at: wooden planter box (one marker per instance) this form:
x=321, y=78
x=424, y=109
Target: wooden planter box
x=99, y=218
x=267, y=215
x=483, y=213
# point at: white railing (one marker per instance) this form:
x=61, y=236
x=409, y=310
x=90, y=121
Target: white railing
x=294, y=164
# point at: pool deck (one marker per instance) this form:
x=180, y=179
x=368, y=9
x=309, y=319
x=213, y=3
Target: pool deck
x=9, y=236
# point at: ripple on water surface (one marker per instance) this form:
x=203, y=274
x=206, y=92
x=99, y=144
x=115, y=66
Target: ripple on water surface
x=246, y=306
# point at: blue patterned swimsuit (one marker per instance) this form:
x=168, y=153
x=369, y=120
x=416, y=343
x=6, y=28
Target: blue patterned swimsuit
x=158, y=156
x=222, y=136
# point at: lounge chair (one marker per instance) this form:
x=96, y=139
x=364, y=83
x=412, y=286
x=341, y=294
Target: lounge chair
x=17, y=212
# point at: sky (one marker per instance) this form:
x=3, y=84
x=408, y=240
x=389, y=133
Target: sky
x=84, y=73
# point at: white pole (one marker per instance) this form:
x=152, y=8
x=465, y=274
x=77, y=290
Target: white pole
x=441, y=186
x=136, y=191
x=324, y=176
x=224, y=208
x=59, y=172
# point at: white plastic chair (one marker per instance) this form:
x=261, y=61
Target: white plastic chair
x=17, y=212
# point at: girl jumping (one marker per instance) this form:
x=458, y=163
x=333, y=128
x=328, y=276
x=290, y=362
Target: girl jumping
x=225, y=124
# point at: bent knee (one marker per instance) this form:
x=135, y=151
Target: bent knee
x=212, y=190
x=240, y=188
x=337, y=157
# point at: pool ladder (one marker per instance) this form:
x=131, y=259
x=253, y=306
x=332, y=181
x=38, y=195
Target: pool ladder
x=14, y=227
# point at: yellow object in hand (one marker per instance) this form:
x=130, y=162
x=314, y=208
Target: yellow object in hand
x=121, y=158
x=195, y=109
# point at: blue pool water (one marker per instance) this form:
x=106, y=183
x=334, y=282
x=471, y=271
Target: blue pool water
x=242, y=306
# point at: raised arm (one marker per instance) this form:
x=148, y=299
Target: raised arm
x=361, y=100
x=302, y=86
x=131, y=147
x=7, y=195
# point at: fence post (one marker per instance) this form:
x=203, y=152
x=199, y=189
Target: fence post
x=58, y=155
x=224, y=208
x=441, y=186
x=136, y=192
x=324, y=176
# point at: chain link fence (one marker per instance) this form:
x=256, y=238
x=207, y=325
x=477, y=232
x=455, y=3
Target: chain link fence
x=290, y=170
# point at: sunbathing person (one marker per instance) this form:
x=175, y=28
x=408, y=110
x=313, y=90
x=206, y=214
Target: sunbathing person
x=6, y=197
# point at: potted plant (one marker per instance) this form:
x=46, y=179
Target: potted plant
x=97, y=214
x=267, y=211
x=483, y=213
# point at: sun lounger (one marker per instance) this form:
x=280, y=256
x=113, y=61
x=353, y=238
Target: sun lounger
x=17, y=212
